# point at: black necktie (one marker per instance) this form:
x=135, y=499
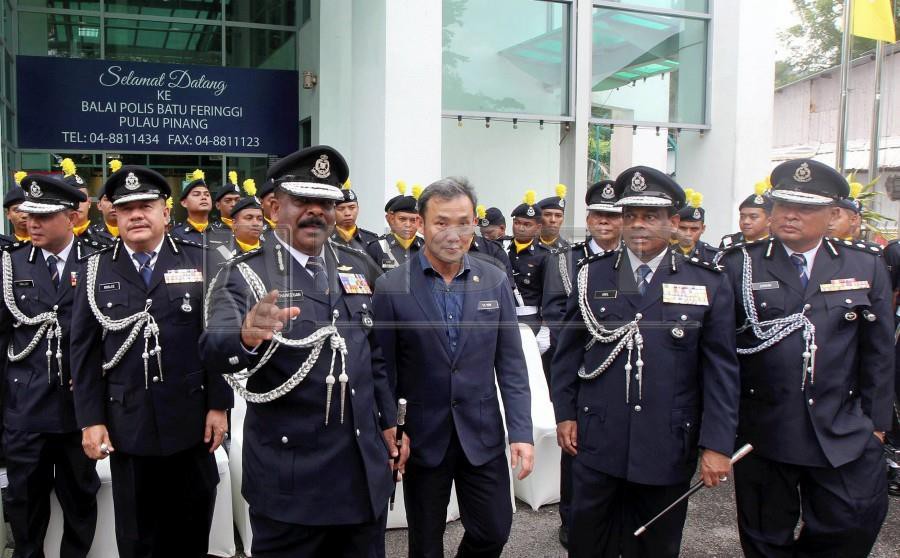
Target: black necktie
x=799, y=262
x=54, y=271
x=320, y=276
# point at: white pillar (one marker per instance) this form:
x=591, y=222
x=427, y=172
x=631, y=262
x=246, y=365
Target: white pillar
x=395, y=107
x=331, y=124
x=728, y=160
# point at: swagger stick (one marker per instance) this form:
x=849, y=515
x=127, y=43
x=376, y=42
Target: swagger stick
x=739, y=454
x=401, y=423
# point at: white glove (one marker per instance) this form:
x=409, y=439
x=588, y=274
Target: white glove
x=543, y=339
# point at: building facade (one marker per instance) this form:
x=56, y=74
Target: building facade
x=513, y=94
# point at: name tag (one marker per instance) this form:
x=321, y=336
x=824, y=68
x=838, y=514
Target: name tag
x=175, y=276
x=296, y=294
x=488, y=305
x=606, y=294
x=843, y=285
x=388, y=264
x=694, y=295
x=354, y=283
x=28, y=283
x=765, y=285
x=109, y=287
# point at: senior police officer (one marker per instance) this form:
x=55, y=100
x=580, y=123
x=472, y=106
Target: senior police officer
x=40, y=435
x=142, y=395
x=295, y=319
x=448, y=350
x=664, y=320
x=817, y=371
x=346, y=231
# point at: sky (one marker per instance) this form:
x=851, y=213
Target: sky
x=785, y=16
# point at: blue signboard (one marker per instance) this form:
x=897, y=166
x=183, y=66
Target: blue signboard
x=106, y=105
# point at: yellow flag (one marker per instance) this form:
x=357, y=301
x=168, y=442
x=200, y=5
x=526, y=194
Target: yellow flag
x=873, y=19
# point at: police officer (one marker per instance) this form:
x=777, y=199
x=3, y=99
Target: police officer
x=493, y=225
x=395, y=247
x=318, y=424
x=266, y=195
x=248, y=225
x=847, y=224
x=449, y=335
x=552, y=215
x=528, y=264
x=604, y=225
x=142, y=395
x=754, y=214
x=18, y=219
x=346, y=230
x=691, y=226
x=40, y=435
x=665, y=321
x=197, y=201
x=817, y=371
x=224, y=200
x=71, y=176
x=106, y=231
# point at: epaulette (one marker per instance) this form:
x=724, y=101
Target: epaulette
x=346, y=248
x=367, y=231
x=573, y=246
x=705, y=265
x=744, y=244
x=591, y=259
x=377, y=238
x=244, y=256
x=102, y=248
x=15, y=246
x=179, y=240
x=861, y=245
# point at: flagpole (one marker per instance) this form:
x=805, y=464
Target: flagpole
x=840, y=147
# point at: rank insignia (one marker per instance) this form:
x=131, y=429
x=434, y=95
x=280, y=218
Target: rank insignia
x=694, y=295
x=354, y=283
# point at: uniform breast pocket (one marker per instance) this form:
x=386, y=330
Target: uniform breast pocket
x=684, y=425
x=848, y=307
x=682, y=323
x=28, y=299
x=609, y=312
x=17, y=382
x=113, y=302
x=186, y=299
x=769, y=303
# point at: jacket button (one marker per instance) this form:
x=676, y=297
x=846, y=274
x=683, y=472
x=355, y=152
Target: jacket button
x=108, y=304
x=752, y=391
x=637, y=408
x=284, y=439
x=352, y=391
x=357, y=432
x=454, y=403
x=808, y=306
x=155, y=379
x=586, y=408
x=811, y=401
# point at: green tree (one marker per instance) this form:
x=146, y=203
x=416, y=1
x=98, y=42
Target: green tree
x=815, y=43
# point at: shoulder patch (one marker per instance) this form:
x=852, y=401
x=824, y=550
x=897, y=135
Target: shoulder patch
x=345, y=248
x=238, y=258
x=101, y=248
x=573, y=246
x=596, y=257
x=185, y=242
x=703, y=264
x=859, y=245
x=14, y=246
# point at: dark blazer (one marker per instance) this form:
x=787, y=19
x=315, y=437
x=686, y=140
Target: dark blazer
x=297, y=469
x=690, y=374
x=38, y=400
x=830, y=422
x=168, y=415
x=457, y=390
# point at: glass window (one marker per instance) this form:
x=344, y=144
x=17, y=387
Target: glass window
x=649, y=68
x=190, y=9
x=261, y=48
x=686, y=5
x=272, y=12
x=67, y=36
x=611, y=151
x=63, y=4
x=158, y=41
x=506, y=56
x=249, y=167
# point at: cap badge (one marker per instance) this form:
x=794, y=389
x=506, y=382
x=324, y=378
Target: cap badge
x=562, y=202
x=35, y=190
x=485, y=223
x=530, y=212
x=608, y=192
x=322, y=168
x=803, y=173
x=638, y=184
x=758, y=200
x=79, y=180
x=697, y=213
x=132, y=182
x=351, y=196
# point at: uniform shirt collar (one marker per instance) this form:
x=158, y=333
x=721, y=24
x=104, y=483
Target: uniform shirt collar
x=810, y=255
x=594, y=247
x=152, y=263
x=63, y=255
x=652, y=264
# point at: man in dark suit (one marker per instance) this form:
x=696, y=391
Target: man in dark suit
x=142, y=395
x=321, y=417
x=445, y=352
x=817, y=376
x=40, y=435
x=649, y=312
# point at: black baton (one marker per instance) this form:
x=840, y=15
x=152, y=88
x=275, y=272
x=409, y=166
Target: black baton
x=401, y=423
x=697, y=486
